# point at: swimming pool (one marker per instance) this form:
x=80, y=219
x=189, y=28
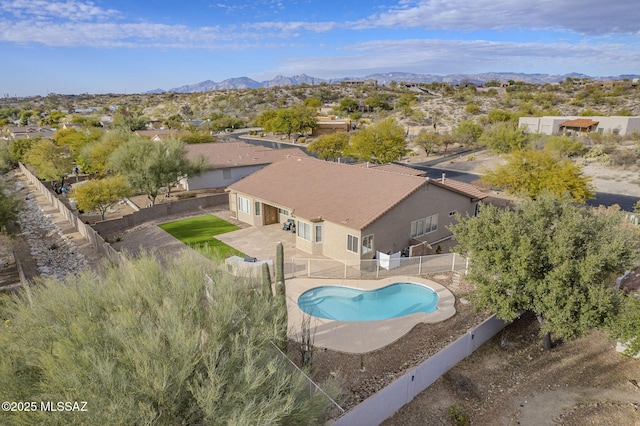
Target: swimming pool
x=350, y=304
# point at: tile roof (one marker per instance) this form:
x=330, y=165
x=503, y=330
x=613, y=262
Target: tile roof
x=237, y=154
x=392, y=167
x=579, y=122
x=460, y=187
x=353, y=196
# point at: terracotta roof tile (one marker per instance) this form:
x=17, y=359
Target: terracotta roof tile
x=319, y=190
x=237, y=154
x=579, y=122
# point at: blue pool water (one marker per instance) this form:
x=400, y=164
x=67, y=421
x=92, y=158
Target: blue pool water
x=350, y=304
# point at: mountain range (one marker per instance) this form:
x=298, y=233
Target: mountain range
x=382, y=79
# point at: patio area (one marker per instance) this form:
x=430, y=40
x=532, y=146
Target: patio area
x=260, y=242
x=362, y=336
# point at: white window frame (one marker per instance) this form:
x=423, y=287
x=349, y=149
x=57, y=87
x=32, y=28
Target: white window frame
x=243, y=204
x=431, y=224
x=283, y=212
x=417, y=228
x=304, y=230
x=352, y=243
x=256, y=208
x=318, y=236
x=367, y=244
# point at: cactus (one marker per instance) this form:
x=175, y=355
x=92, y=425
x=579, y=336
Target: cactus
x=281, y=293
x=266, y=281
x=279, y=266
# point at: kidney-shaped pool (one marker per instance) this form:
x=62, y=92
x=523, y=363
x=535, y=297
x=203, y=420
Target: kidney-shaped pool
x=350, y=304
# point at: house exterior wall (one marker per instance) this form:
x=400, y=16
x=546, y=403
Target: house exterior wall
x=219, y=178
x=551, y=125
x=391, y=232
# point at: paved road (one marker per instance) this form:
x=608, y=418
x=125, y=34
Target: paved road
x=625, y=202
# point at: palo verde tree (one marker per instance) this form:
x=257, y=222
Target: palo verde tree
x=50, y=161
x=381, y=142
x=155, y=341
x=100, y=194
x=532, y=172
x=149, y=166
x=549, y=256
x=330, y=147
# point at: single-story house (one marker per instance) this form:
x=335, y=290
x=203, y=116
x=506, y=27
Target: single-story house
x=348, y=212
x=228, y=162
x=552, y=125
x=329, y=125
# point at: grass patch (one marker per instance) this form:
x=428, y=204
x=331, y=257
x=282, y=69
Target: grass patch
x=199, y=232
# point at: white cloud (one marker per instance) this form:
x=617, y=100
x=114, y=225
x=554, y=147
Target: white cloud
x=582, y=16
x=462, y=56
x=45, y=9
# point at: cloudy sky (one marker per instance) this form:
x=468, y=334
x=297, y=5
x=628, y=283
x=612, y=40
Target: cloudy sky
x=128, y=46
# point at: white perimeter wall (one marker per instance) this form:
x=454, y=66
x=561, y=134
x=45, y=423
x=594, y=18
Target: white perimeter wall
x=383, y=404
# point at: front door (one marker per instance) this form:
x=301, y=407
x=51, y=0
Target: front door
x=270, y=214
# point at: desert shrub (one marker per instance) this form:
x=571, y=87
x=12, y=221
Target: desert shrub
x=623, y=157
x=186, y=195
x=565, y=146
x=472, y=108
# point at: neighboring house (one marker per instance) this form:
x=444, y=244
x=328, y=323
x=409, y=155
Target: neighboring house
x=158, y=134
x=27, y=132
x=550, y=125
x=348, y=212
x=328, y=125
x=228, y=162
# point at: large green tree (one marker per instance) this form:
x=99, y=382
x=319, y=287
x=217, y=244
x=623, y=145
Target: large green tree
x=152, y=341
x=149, y=166
x=100, y=194
x=548, y=256
x=381, y=142
x=532, y=172
x=299, y=119
x=50, y=161
x=330, y=147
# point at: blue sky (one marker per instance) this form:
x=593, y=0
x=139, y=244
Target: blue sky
x=130, y=46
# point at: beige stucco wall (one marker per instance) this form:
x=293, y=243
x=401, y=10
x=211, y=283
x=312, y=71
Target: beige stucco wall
x=551, y=125
x=392, y=232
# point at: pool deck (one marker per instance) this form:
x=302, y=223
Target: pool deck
x=362, y=336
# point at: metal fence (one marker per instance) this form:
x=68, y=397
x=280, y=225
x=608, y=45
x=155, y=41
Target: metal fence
x=374, y=268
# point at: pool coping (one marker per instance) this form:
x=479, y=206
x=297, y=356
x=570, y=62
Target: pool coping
x=362, y=336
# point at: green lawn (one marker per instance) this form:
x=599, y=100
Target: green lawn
x=198, y=232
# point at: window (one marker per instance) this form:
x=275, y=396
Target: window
x=424, y=226
x=304, y=230
x=226, y=173
x=283, y=212
x=318, y=233
x=431, y=224
x=256, y=207
x=367, y=244
x=417, y=228
x=352, y=243
x=243, y=204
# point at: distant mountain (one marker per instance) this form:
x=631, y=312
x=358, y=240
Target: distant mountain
x=383, y=79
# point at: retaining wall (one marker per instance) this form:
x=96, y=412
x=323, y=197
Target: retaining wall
x=89, y=234
x=113, y=226
x=384, y=403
